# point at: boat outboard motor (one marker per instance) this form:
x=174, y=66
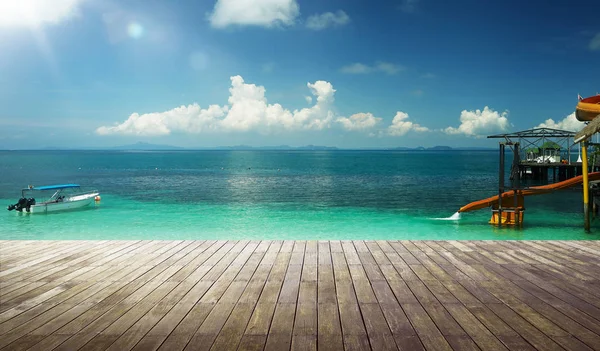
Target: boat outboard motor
x=30, y=202
x=23, y=203
x=19, y=205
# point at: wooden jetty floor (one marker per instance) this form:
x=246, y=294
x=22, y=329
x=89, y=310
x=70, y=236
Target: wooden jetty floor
x=300, y=295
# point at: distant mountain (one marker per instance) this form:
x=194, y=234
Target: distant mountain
x=316, y=147
x=143, y=146
x=279, y=147
x=146, y=146
x=476, y=148
x=442, y=148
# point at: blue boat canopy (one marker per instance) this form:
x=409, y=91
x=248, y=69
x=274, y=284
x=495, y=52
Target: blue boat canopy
x=53, y=187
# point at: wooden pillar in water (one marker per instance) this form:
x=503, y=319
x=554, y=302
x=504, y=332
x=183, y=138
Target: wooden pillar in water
x=500, y=183
x=516, y=185
x=586, y=187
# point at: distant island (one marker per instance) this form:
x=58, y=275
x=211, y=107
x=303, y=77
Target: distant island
x=143, y=146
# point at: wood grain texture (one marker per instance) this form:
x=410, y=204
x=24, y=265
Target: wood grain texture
x=299, y=295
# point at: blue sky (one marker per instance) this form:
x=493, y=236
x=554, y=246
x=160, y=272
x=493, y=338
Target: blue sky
x=90, y=73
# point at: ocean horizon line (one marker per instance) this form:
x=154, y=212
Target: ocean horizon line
x=152, y=147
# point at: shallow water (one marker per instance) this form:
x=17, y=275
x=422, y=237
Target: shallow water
x=296, y=195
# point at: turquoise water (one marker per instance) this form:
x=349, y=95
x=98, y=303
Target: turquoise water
x=297, y=195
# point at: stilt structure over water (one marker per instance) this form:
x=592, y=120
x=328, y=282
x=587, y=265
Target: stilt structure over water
x=537, y=153
x=544, y=156
x=541, y=157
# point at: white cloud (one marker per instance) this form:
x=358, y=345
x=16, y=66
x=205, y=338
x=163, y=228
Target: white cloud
x=380, y=66
x=327, y=19
x=263, y=13
x=33, y=13
x=595, y=43
x=356, y=68
x=308, y=99
x=388, y=68
x=479, y=123
x=190, y=119
x=569, y=123
x=359, y=121
x=247, y=110
x=401, y=125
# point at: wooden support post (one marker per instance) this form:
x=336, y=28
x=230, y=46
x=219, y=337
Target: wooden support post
x=594, y=205
x=586, y=187
x=500, y=183
x=516, y=183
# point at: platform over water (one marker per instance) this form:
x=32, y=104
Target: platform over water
x=274, y=295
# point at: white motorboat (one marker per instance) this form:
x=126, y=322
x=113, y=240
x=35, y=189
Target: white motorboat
x=52, y=198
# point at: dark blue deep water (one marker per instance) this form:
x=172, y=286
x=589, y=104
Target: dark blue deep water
x=275, y=195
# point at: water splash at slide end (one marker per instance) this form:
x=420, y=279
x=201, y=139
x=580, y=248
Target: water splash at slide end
x=454, y=217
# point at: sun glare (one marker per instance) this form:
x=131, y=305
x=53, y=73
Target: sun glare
x=135, y=30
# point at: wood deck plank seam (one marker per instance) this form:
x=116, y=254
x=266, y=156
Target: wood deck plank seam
x=420, y=255
x=146, y=273
x=222, y=302
x=543, y=297
x=165, y=272
x=44, y=274
x=497, y=337
x=533, y=323
x=258, y=294
x=51, y=285
x=147, y=316
x=222, y=258
x=212, y=260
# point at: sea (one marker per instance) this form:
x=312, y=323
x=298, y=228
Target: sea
x=277, y=195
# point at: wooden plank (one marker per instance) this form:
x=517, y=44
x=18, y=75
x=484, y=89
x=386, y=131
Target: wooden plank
x=430, y=335
x=252, y=343
x=378, y=331
x=201, y=326
x=305, y=323
x=281, y=329
x=134, y=334
x=262, y=315
x=329, y=328
x=53, y=276
x=544, y=316
x=475, y=329
x=232, y=332
x=39, y=272
x=104, y=305
x=523, y=328
x=45, y=317
x=280, y=333
x=260, y=295
x=47, y=258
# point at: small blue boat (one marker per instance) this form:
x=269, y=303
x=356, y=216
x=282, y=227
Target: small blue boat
x=52, y=198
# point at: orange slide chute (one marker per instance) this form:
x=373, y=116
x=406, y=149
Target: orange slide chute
x=536, y=190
